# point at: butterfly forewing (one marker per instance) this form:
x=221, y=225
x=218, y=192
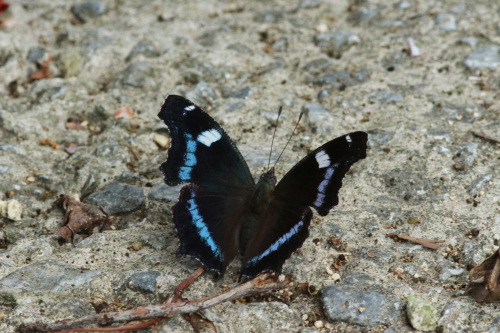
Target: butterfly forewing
x=315, y=181
x=200, y=151
x=208, y=213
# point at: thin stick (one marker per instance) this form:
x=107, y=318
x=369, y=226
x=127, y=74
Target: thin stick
x=290, y=138
x=428, y=243
x=177, y=295
x=485, y=137
x=274, y=134
x=259, y=285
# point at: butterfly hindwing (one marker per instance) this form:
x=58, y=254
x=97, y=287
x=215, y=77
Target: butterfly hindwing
x=204, y=224
x=315, y=181
x=202, y=154
x=268, y=249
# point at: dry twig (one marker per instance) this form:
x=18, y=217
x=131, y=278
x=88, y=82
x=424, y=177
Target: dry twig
x=262, y=284
x=428, y=243
x=81, y=217
x=485, y=137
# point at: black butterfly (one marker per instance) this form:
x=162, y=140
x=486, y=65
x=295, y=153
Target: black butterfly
x=222, y=211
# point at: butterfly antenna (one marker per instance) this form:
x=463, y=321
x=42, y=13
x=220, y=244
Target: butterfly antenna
x=290, y=138
x=274, y=134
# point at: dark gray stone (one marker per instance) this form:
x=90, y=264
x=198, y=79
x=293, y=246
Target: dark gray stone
x=334, y=43
x=112, y=151
x=156, y=241
x=241, y=48
x=163, y=192
x=470, y=41
x=403, y=5
x=334, y=229
x=117, y=198
x=364, y=14
x=394, y=60
x=145, y=48
x=341, y=80
x=8, y=300
x=463, y=113
x=398, y=328
x=136, y=75
x=341, y=302
x=85, y=11
x=307, y=4
x=466, y=154
x=143, y=282
x=235, y=106
x=378, y=255
x=4, y=169
x=202, y=95
x=77, y=307
x=323, y=94
x=317, y=66
x=385, y=97
x=455, y=317
x=281, y=45
x=242, y=93
x=446, y=22
x=36, y=54
x=449, y=271
x=484, y=57
x=477, y=183
x=270, y=16
x=317, y=116
x=437, y=134
x=47, y=90
x=91, y=184
x=47, y=276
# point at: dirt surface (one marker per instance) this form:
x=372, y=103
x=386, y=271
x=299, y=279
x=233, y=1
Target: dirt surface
x=66, y=70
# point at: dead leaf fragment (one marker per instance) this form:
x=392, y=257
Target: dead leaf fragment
x=484, y=283
x=428, y=243
x=4, y=5
x=43, y=72
x=49, y=142
x=198, y=321
x=81, y=218
x=123, y=113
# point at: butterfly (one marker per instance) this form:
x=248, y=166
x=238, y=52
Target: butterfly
x=222, y=211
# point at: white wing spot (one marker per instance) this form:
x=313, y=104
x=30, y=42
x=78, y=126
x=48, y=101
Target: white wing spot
x=209, y=137
x=348, y=139
x=189, y=108
x=323, y=159
x=320, y=197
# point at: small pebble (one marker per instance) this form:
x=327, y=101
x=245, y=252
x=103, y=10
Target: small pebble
x=161, y=140
x=11, y=209
x=318, y=324
x=335, y=277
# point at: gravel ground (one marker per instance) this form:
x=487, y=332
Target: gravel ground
x=67, y=68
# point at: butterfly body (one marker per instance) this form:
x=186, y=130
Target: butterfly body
x=223, y=212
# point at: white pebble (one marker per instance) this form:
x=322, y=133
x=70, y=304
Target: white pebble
x=11, y=209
